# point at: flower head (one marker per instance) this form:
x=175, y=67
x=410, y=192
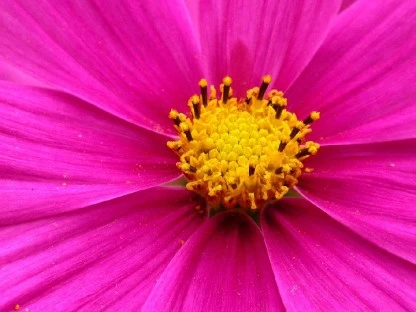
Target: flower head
x=241, y=153
x=90, y=216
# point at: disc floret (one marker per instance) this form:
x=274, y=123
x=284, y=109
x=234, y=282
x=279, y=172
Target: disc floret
x=241, y=153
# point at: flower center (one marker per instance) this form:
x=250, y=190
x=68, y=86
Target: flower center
x=241, y=153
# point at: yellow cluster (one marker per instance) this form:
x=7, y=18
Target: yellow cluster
x=241, y=153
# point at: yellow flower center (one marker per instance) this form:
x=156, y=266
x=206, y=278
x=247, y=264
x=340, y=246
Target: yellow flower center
x=241, y=153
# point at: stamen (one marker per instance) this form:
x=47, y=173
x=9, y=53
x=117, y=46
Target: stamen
x=282, y=146
x=204, y=91
x=250, y=94
x=278, y=111
x=266, y=81
x=188, y=135
x=278, y=103
x=226, y=92
x=177, y=121
x=174, y=115
x=196, y=106
x=296, y=130
x=185, y=129
x=310, y=149
x=303, y=152
x=311, y=118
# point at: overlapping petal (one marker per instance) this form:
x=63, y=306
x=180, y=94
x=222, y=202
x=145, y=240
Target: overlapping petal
x=320, y=265
x=371, y=189
x=117, y=70
x=105, y=257
x=362, y=78
x=223, y=267
x=11, y=74
x=135, y=60
x=346, y=4
x=248, y=39
x=60, y=153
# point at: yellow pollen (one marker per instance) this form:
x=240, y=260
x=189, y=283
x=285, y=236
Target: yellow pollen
x=241, y=153
x=203, y=83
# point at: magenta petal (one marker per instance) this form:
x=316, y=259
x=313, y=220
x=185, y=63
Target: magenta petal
x=362, y=78
x=105, y=257
x=223, y=267
x=346, y=4
x=60, y=153
x=248, y=39
x=11, y=74
x=400, y=125
x=134, y=60
x=320, y=265
x=369, y=188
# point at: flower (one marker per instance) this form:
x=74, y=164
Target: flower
x=87, y=220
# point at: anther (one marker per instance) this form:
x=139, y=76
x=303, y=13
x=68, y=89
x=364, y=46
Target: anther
x=295, y=130
x=250, y=94
x=227, y=85
x=174, y=115
x=278, y=110
x=196, y=106
x=278, y=105
x=175, y=145
x=177, y=121
x=266, y=81
x=282, y=146
x=204, y=91
x=188, y=135
x=311, y=118
x=187, y=168
x=302, y=153
x=185, y=129
x=310, y=148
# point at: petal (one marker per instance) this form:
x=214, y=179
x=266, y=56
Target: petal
x=60, y=153
x=363, y=75
x=369, y=188
x=114, y=56
x=400, y=125
x=223, y=267
x=346, y=4
x=322, y=266
x=9, y=73
x=105, y=257
x=248, y=39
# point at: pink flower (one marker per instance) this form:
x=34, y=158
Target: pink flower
x=87, y=221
